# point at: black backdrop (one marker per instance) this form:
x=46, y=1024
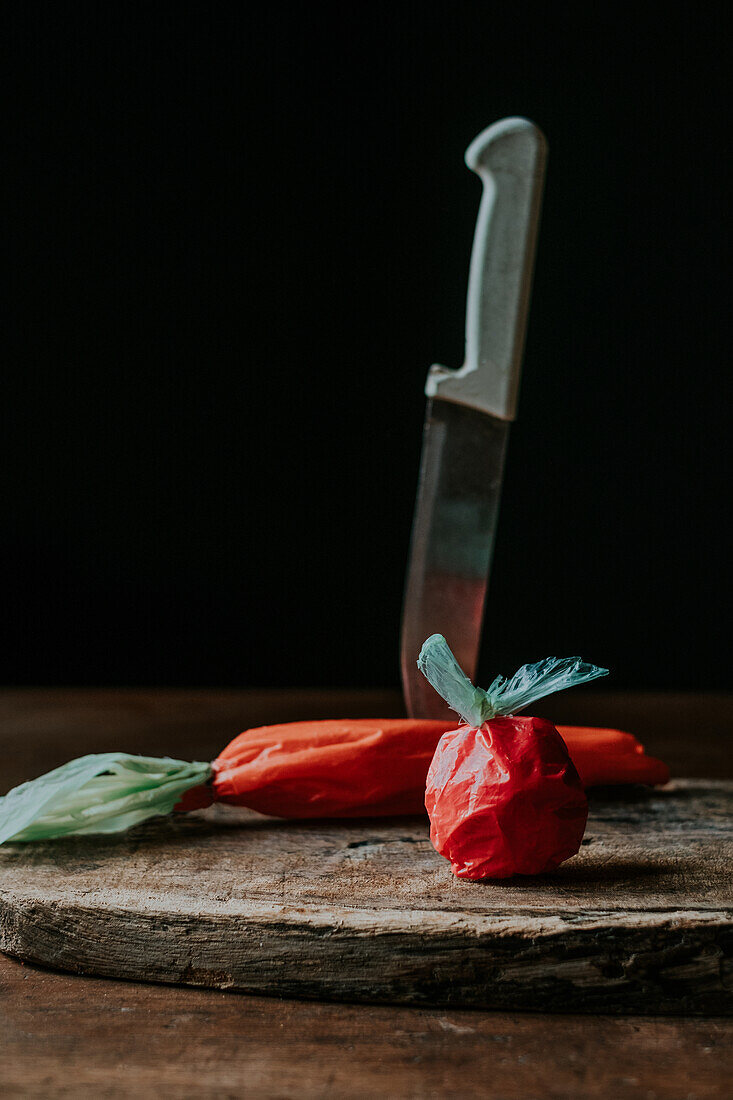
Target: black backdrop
x=237, y=240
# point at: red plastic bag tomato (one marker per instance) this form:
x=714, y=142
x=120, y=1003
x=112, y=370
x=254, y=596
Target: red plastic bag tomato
x=505, y=799
x=502, y=793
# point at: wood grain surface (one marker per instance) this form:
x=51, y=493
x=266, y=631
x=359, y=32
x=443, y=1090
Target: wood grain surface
x=64, y=1035
x=68, y=1036
x=72, y=1036
x=641, y=920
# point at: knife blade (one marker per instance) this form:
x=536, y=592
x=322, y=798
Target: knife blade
x=469, y=413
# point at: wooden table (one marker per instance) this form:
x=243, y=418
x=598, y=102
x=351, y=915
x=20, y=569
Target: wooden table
x=64, y=1035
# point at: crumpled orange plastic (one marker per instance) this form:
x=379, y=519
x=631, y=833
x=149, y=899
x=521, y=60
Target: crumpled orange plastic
x=371, y=767
x=360, y=767
x=607, y=756
x=505, y=799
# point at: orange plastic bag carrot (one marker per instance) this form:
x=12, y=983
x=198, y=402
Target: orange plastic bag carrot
x=360, y=767
x=371, y=767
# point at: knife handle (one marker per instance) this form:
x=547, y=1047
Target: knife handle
x=510, y=159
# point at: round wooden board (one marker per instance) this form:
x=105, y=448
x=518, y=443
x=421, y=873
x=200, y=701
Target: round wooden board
x=639, y=921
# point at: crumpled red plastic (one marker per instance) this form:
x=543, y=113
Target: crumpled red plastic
x=505, y=799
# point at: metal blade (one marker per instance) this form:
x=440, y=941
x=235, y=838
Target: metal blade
x=452, y=542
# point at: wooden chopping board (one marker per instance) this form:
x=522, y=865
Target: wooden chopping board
x=639, y=921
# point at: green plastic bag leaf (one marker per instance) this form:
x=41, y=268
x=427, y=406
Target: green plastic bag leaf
x=439, y=666
x=102, y=793
x=527, y=685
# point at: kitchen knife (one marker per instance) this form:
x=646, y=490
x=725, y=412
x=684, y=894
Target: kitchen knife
x=469, y=413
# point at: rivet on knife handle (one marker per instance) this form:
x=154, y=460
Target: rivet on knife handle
x=510, y=159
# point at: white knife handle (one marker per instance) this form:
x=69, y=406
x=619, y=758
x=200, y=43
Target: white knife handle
x=510, y=159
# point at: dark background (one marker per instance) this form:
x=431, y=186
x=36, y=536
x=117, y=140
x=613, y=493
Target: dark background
x=238, y=239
